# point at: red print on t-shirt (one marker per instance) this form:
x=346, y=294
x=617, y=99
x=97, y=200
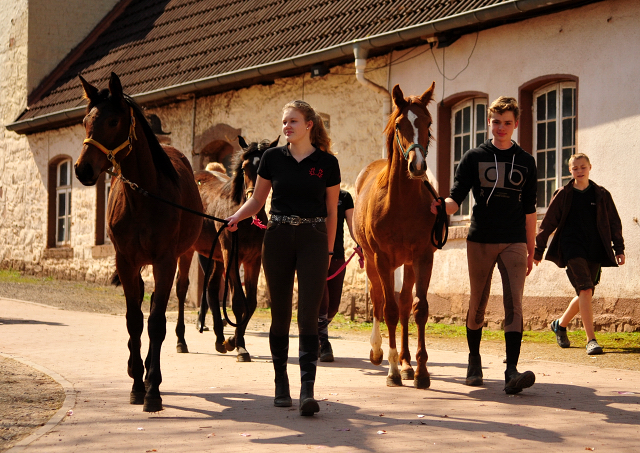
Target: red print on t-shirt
x=313, y=172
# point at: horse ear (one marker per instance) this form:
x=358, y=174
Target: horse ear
x=398, y=97
x=274, y=143
x=242, y=142
x=427, y=96
x=115, y=87
x=90, y=92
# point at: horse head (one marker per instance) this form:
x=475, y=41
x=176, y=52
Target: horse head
x=109, y=127
x=408, y=132
x=246, y=166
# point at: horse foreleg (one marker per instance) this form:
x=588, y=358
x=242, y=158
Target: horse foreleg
x=375, y=293
x=391, y=315
x=182, y=285
x=213, y=289
x=404, y=303
x=133, y=287
x=163, y=272
x=247, y=306
x=423, y=270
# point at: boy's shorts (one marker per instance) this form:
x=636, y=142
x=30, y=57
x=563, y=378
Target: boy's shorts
x=583, y=274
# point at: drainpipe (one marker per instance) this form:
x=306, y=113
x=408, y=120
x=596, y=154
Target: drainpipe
x=361, y=64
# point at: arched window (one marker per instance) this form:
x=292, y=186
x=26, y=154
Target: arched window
x=63, y=203
x=468, y=130
x=554, y=134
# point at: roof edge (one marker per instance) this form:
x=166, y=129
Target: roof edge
x=477, y=16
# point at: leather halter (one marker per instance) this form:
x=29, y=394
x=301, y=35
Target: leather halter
x=111, y=153
x=405, y=153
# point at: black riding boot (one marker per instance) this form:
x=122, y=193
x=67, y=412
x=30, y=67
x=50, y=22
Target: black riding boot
x=308, y=362
x=279, y=354
x=474, y=369
x=514, y=381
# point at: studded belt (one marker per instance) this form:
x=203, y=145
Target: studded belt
x=295, y=220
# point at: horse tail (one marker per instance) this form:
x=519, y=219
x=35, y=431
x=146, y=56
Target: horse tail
x=115, y=279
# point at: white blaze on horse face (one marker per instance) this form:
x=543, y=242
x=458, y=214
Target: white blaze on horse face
x=412, y=119
x=256, y=161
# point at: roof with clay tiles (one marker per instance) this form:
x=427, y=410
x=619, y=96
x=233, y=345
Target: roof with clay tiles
x=155, y=45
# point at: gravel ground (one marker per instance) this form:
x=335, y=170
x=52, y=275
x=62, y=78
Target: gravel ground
x=29, y=398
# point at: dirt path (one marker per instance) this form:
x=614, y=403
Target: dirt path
x=29, y=398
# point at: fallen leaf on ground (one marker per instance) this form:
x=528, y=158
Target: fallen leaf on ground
x=245, y=435
x=211, y=435
x=420, y=416
x=382, y=431
x=590, y=448
x=342, y=429
x=626, y=393
x=150, y=451
x=140, y=429
x=69, y=413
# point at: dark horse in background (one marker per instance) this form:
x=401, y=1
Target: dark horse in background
x=392, y=223
x=144, y=231
x=222, y=196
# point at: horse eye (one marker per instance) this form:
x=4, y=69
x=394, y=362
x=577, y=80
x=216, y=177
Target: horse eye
x=113, y=123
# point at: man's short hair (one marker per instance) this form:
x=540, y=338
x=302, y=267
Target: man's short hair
x=577, y=156
x=505, y=104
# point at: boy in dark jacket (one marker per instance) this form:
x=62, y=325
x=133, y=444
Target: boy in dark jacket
x=586, y=221
x=503, y=179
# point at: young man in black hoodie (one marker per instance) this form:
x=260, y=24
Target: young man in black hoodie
x=503, y=179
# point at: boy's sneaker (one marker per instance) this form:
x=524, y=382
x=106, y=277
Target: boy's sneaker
x=593, y=348
x=514, y=382
x=326, y=352
x=561, y=335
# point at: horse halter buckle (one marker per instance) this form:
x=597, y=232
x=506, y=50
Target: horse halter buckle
x=111, y=153
x=406, y=152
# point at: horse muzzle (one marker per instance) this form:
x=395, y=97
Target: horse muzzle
x=86, y=174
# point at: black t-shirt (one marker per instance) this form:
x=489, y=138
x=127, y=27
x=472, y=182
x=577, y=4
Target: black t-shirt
x=580, y=237
x=299, y=188
x=345, y=202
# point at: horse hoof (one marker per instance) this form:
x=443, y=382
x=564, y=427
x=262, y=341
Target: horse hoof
x=182, y=348
x=230, y=344
x=136, y=398
x=407, y=375
x=243, y=355
x=375, y=360
x=422, y=382
x=152, y=404
x=394, y=381
x=220, y=348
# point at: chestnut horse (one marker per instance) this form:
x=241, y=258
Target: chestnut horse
x=222, y=197
x=144, y=231
x=392, y=222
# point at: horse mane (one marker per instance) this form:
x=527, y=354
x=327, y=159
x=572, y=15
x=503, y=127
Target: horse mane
x=234, y=188
x=160, y=158
x=390, y=132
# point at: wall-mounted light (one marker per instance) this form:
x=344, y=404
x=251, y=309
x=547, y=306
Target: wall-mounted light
x=319, y=70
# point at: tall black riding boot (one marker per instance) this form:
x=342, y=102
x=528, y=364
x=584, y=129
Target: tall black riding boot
x=514, y=381
x=308, y=362
x=474, y=369
x=279, y=354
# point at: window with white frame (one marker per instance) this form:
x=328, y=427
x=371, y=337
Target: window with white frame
x=469, y=130
x=107, y=191
x=63, y=202
x=554, y=137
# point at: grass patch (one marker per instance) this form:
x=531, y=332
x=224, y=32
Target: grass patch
x=13, y=276
x=621, y=341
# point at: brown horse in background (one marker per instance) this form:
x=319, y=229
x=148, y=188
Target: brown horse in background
x=222, y=196
x=392, y=223
x=144, y=231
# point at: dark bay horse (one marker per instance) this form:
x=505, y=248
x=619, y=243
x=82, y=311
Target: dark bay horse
x=222, y=197
x=144, y=231
x=392, y=223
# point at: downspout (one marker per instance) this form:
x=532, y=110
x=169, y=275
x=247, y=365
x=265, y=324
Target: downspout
x=361, y=64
